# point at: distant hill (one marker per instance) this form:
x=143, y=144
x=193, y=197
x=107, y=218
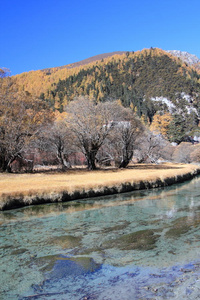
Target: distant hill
x=86, y=61
x=94, y=58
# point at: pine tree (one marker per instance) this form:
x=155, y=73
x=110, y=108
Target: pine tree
x=177, y=129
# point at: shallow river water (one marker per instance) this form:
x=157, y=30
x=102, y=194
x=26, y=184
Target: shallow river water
x=139, y=245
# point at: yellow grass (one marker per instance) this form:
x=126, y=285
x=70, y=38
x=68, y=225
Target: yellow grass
x=22, y=185
x=26, y=189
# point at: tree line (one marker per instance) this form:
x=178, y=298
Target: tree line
x=105, y=132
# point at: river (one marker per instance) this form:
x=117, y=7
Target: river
x=139, y=245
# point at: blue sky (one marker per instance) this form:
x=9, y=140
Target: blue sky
x=38, y=34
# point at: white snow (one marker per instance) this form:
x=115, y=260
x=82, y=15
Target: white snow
x=166, y=101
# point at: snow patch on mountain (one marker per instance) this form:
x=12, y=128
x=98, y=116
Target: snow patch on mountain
x=188, y=98
x=166, y=101
x=190, y=59
x=172, y=107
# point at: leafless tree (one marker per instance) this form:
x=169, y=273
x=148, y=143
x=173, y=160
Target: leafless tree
x=57, y=139
x=195, y=153
x=182, y=152
x=89, y=126
x=150, y=147
x=126, y=132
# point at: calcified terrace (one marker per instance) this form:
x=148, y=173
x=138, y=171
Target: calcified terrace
x=26, y=189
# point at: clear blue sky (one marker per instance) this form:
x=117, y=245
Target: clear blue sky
x=38, y=34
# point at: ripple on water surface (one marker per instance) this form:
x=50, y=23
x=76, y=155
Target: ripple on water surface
x=140, y=245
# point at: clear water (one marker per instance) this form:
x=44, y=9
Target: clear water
x=140, y=245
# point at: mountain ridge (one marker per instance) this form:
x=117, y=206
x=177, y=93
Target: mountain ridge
x=86, y=61
x=191, y=59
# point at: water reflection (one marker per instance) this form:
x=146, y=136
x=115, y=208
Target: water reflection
x=55, y=251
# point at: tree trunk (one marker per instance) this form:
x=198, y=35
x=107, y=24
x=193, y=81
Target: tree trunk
x=64, y=163
x=3, y=161
x=5, y=165
x=8, y=167
x=126, y=159
x=91, y=157
x=124, y=163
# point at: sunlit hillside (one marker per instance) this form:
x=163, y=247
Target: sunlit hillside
x=41, y=81
x=148, y=81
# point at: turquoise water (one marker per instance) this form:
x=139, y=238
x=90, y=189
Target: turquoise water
x=140, y=245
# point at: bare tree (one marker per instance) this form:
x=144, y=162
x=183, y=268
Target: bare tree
x=195, y=153
x=57, y=139
x=182, y=152
x=150, y=147
x=126, y=130
x=89, y=125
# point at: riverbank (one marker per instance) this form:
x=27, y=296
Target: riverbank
x=17, y=190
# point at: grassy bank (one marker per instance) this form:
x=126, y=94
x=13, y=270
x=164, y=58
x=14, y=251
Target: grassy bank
x=25, y=189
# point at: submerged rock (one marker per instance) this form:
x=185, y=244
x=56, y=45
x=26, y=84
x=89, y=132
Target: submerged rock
x=46, y=263
x=71, y=266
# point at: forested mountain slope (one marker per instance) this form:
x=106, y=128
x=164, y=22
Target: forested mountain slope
x=40, y=81
x=149, y=81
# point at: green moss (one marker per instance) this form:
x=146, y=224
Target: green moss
x=139, y=240
x=177, y=232
x=87, y=263
x=183, y=225
x=90, y=250
x=67, y=241
x=19, y=251
x=46, y=263
x=116, y=227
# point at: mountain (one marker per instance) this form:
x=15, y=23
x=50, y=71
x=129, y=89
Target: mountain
x=149, y=81
x=37, y=82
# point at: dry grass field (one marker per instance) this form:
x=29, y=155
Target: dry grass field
x=24, y=188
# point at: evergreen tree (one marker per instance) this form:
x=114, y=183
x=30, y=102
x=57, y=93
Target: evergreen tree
x=177, y=129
